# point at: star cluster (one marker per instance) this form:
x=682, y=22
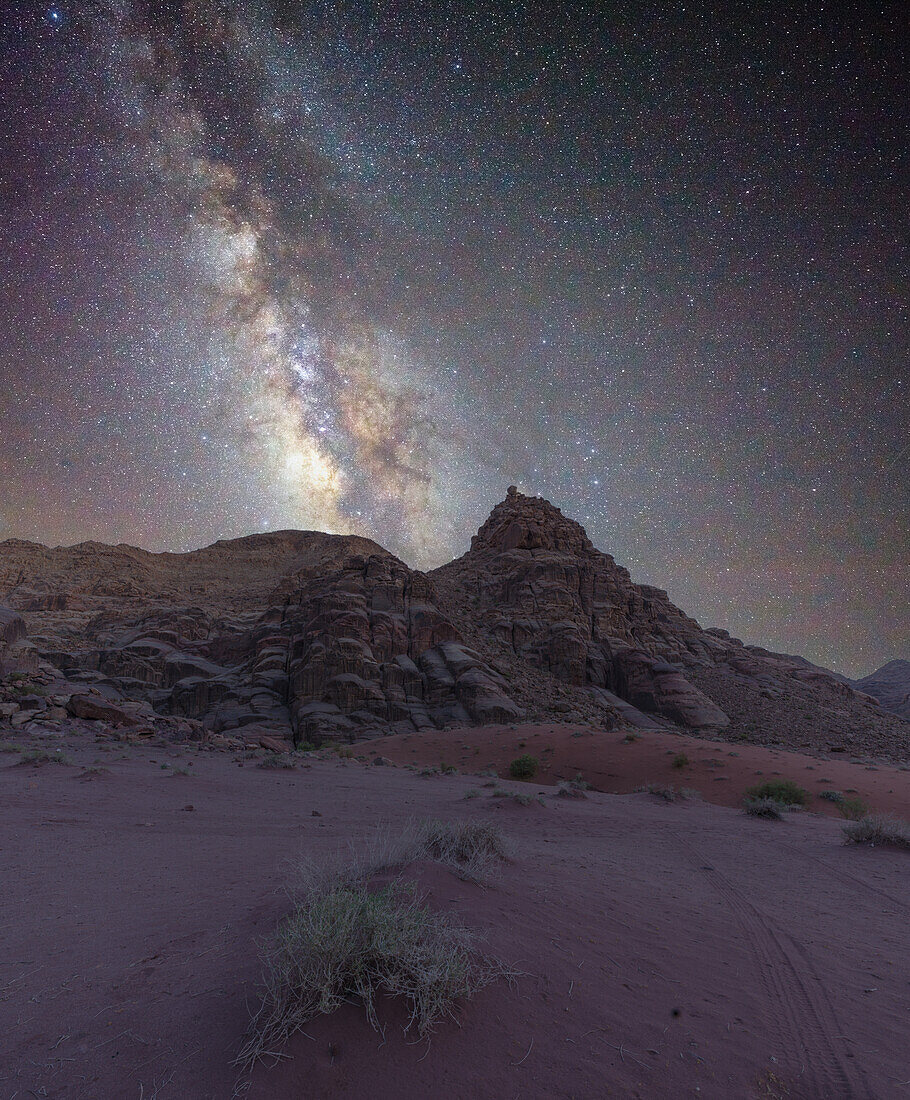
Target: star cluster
x=357, y=267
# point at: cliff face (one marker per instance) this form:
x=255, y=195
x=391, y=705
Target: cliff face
x=318, y=637
x=293, y=634
x=533, y=580
x=534, y=584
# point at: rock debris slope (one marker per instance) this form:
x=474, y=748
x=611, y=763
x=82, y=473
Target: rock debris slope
x=299, y=635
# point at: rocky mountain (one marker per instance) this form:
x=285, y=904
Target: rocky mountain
x=890, y=685
x=532, y=586
x=313, y=637
x=287, y=634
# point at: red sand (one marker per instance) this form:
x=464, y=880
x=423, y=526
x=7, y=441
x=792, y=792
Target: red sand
x=671, y=950
x=718, y=770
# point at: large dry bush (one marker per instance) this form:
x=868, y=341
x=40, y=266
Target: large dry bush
x=347, y=937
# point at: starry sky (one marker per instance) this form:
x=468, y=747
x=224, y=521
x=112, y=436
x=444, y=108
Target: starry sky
x=360, y=266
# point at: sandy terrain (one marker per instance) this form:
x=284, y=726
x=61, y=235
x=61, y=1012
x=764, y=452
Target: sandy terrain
x=720, y=772
x=670, y=950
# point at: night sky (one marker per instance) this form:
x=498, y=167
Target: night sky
x=359, y=267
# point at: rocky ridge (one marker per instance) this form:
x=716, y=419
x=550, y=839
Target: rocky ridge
x=291, y=635
x=532, y=586
x=309, y=637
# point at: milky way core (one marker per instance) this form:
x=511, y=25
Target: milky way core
x=358, y=268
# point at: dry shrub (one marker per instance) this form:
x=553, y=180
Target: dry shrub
x=879, y=829
x=766, y=807
x=347, y=938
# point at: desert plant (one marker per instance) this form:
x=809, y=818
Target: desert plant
x=831, y=796
x=516, y=796
x=523, y=767
x=472, y=792
x=680, y=760
x=879, y=829
x=667, y=793
x=572, y=788
x=779, y=790
x=305, y=746
x=344, y=939
x=630, y=737
x=9, y=746
x=277, y=760
x=853, y=809
x=469, y=848
x=42, y=756
x=765, y=807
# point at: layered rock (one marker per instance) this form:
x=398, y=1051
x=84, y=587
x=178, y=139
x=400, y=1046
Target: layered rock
x=533, y=580
x=533, y=587
x=296, y=634
x=16, y=652
x=306, y=636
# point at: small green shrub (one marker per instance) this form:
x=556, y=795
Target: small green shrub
x=523, y=767
x=853, y=809
x=306, y=746
x=680, y=760
x=831, y=796
x=8, y=746
x=780, y=790
x=630, y=737
x=472, y=792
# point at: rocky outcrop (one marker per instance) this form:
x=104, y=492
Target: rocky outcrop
x=16, y=652
x=305, y=636
x=533, y=580
x=293, y=635
x=533, y=588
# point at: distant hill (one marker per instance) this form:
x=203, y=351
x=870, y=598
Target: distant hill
x=890, y=685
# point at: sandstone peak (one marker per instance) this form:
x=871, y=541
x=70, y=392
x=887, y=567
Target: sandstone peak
x=529, y=523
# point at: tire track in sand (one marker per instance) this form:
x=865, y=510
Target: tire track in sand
x=803, y=1016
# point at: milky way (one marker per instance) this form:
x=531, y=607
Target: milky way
x=358, y=268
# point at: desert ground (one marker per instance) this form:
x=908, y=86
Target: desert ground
x=665, y=949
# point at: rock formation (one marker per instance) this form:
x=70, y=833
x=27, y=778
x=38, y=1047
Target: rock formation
x=289, y=635
x=532, y=586
x=305, y=636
